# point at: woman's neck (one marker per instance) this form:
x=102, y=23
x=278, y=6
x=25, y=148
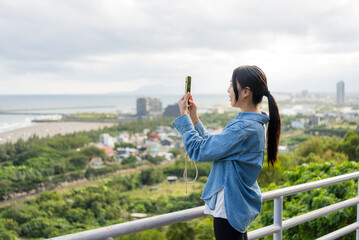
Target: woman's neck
x=250, y=108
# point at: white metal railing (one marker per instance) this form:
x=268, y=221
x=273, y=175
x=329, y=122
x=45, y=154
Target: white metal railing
x=110, y=232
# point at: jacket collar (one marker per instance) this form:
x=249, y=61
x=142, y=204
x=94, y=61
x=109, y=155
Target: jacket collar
x=262, y=118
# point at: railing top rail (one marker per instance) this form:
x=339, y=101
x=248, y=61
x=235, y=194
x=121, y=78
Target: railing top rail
x=267, y=196
x=184, y=215
x=139, y=225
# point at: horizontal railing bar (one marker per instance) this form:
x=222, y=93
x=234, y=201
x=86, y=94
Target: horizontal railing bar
x=126, y=228
x=267, y=196
x=340, y=232
x=318, y=213
x=189, y=214
x=266, y=231
x=262, y=232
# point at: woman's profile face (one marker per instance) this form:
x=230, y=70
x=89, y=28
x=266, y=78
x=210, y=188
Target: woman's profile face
x=232, y=96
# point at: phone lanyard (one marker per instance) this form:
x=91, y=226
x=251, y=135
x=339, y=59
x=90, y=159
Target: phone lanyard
x=185, y=171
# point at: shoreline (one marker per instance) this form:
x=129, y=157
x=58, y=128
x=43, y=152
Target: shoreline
x=45, y=129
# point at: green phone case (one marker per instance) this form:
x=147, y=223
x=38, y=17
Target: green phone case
x=188, y=84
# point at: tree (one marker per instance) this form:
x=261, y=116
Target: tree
x=180, y=231
x=154, y=160
x=129, y=160
x=125, y=145
x=8, y=234
x=175, y=151
x=314, y=145
x=93, y=151
x=153, y=234
x=3, y=154
x=79, y=161
x=5, y=188
x=10, y=225
x=21, y=146
x=204, y=229
x=151, y=176
x=43, y=227
x=10, y=151
x=350, y=145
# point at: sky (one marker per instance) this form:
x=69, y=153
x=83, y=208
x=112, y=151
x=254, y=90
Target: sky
x=142, y=46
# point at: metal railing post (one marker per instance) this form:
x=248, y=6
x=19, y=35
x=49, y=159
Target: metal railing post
x=278, y=217
x=357, y=231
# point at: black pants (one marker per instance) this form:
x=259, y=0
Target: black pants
x=224, y=231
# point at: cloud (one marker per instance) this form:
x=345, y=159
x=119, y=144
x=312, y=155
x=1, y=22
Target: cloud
x=94, y=43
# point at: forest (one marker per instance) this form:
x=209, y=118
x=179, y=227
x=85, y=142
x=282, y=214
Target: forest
x=41, y=164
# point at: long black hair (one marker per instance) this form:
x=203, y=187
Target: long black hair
x=255, y=79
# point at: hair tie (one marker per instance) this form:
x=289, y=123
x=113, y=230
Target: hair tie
x=267, y=93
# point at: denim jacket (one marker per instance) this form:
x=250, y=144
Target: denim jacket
x=237, y=154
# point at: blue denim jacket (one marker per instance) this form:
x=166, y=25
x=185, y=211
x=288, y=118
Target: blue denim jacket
x=237, y=154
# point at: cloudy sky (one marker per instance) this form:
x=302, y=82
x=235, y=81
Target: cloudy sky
x=117, y=46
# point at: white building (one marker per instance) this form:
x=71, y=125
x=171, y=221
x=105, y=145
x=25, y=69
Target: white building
x=126, y=152
x=107, y=140
x=123, y=137
x=340, y=93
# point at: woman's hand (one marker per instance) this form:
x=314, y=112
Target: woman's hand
x=187, y=105
x=183, y=104
x=192, y=108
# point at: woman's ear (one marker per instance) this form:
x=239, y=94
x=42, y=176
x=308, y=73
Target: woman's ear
x=247, y=92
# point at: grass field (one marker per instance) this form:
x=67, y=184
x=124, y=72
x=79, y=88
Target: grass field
x=165, y=189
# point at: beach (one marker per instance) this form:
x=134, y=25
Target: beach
x=50, y=129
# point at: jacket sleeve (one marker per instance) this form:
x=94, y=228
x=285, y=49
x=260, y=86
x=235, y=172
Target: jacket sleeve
x=201, y=130
x=214, y=147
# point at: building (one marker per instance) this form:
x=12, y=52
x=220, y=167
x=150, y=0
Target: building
x=166, y=141
x=154, y=147
x=143, y=108
x=148, y=107
x=126, y=152
x=96, y=162
x=171, y=179
x=123, y=138
x=313, y=121
x=155, y=106
x=340, y=93
x=107, y=140
x=172, y=111
x=154, y=136
x=110, y=153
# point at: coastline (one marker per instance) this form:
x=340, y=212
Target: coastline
x=50, y=129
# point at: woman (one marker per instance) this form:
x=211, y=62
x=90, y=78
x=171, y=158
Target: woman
x=232, y=194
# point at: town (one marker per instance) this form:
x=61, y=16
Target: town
x=302, y=111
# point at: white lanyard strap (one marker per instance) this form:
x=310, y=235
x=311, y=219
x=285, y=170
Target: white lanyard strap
x=185, y=172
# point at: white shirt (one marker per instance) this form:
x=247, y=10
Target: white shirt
x=219, y=210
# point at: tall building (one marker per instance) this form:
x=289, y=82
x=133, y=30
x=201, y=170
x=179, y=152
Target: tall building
x=155, y=105
x=148, y=107
x=172, y=111
x=340, y=93
x=143, y=107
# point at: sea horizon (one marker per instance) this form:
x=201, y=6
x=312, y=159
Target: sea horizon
x=112, y=102
x=79, y=103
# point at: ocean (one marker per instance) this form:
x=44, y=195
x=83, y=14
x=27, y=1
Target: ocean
x=26, y=105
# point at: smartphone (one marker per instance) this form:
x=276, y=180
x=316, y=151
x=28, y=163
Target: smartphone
x=188, y=84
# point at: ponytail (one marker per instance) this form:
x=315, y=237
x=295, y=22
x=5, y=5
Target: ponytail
x=254, y=78
x=273, y=130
